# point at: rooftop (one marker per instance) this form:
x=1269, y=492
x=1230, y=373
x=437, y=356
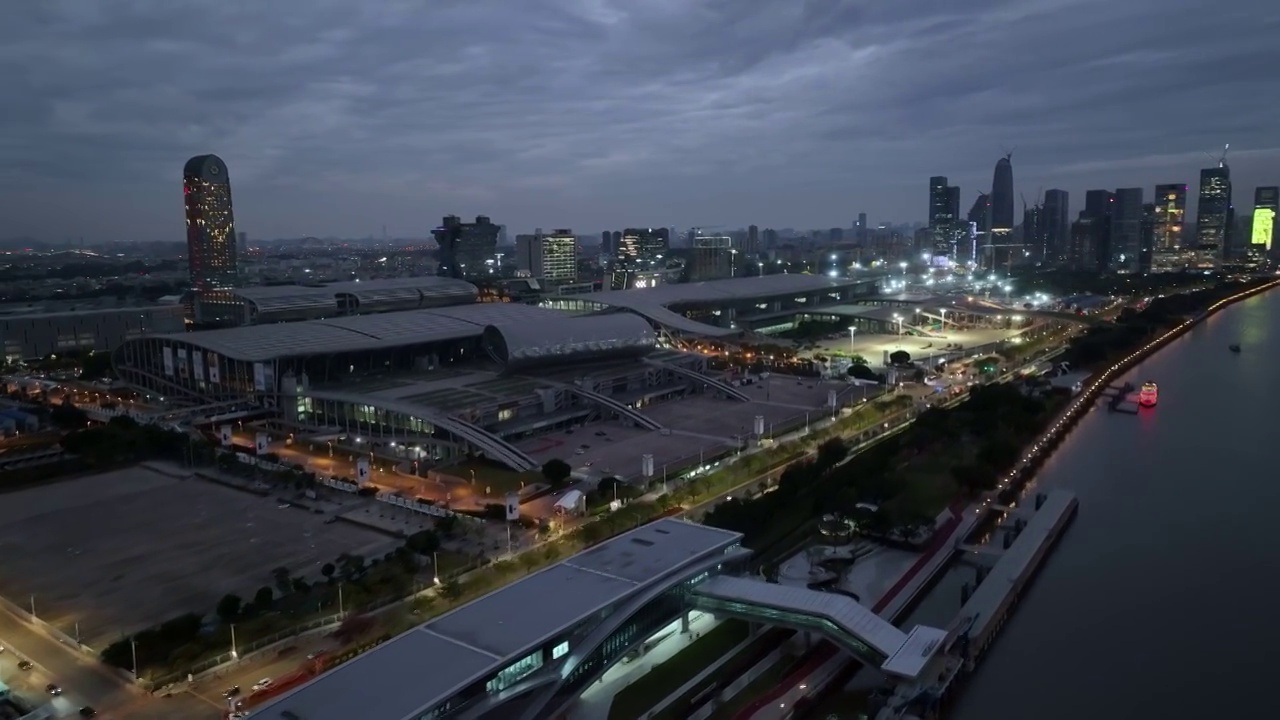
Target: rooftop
x=921, y=645
x=487, y=634
x=252, y=343
x=653, y=302
x=286, y=297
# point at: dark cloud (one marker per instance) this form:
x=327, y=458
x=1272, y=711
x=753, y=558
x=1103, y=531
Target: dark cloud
x=337, y=117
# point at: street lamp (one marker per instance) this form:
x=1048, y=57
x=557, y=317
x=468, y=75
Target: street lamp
x=898, y=319
x=903, y=265
x=852, y=331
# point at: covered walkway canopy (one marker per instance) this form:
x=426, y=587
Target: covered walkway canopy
x=843, y=620
x=655, y=303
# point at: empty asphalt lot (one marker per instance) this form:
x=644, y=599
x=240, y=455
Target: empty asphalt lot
x=120, y=551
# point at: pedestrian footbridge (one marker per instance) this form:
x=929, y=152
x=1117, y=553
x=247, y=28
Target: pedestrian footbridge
x=842, y=620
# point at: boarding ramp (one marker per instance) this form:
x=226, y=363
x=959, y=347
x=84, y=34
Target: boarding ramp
x=840, y=619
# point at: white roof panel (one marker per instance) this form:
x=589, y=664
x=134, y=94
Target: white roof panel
x=361, y=332
x=401, y=679
x=392, y=679
x=921, y=645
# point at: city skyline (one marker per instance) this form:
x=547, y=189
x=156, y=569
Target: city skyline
x=332, y=118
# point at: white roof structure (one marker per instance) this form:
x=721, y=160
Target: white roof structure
x=921, y=645
x=253, y=343
x=405, y=677
x=571, y=501
x=653, y=303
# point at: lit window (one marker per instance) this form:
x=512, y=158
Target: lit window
x=560, y=650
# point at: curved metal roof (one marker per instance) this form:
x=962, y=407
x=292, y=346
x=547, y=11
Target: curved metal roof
x=257, y=343
x=516, y=344
x=426, y=290
x=653, y=302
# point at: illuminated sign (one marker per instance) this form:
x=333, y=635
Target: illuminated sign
x=1264, y=220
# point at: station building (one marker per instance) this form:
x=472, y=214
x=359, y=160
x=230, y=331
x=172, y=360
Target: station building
x=528, y=650
x=29, y=333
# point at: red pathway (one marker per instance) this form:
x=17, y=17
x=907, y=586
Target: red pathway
x=825, y=652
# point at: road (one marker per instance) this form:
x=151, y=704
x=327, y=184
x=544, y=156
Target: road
x=85, y=681
x=276, y=665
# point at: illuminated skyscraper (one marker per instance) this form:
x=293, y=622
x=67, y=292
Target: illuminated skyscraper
x=944, y=215
x=552, y=257
x=211, y=235
x=643, y=246
x=1170, y=215
x=1213, y=211
x=1266, y=203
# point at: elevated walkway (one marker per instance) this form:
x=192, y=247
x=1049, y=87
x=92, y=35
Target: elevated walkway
x=630, y=413
x=499, y=449
x=720, y=385
x=493, y=446
x=844, y=621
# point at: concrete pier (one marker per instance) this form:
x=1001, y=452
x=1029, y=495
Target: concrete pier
x=984, y=612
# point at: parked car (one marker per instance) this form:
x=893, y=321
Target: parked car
x=24, y=665
x=87, y=711
x=53, y=689
x=262, y=684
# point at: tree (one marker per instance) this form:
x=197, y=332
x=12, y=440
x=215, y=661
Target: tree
x=423, y=542
x=860, y=371
x=858, y=359
x=68, y=417
x=282, y=579
x=451, y=589
x=327, y=570
x=447, y=525
x=831, y=452
x=229, y=607
x=264, y=598
x=974, y=477
x=556, y=471
x=899, y=358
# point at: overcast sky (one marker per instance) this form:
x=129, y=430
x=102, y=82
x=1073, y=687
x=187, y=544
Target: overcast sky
x=336, y=117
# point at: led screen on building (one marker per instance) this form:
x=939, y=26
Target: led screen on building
x=1264, y=220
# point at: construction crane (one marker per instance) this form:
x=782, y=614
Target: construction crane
x=1222, y=160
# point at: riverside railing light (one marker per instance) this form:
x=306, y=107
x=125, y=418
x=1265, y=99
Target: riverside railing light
x=1090, y=394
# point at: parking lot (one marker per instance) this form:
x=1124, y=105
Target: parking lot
x=120, y=551
x=619, y=450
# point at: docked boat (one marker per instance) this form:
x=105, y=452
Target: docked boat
x=1234, y=348
x=1148, y=395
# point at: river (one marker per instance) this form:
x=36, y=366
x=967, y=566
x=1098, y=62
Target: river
x=1161, y=600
